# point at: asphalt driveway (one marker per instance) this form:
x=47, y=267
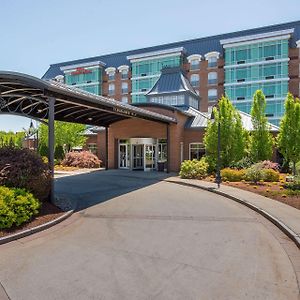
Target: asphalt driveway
x=135, y=237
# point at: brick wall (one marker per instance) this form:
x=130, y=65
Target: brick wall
x=294, y=64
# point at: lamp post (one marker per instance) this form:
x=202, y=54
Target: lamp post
x=218, y=173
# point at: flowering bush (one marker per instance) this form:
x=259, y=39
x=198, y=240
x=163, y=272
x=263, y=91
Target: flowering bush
x=23, y=168
x=267, y=164
x=254, y=173
x=232, y=175
x=84, y=159
x=193, y=169
x=17, y=206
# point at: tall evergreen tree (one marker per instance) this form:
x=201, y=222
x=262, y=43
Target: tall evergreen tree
x=233, y=136
x=261, y=140
x=289, y=132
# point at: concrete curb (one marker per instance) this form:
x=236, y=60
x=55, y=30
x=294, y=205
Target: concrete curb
x=36, y=229
x=283, y=227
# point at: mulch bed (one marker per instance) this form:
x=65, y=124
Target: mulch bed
x=48, y=212
x=273, y=190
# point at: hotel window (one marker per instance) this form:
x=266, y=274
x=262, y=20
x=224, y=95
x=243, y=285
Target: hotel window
x=212, y=78
x=212, y=62
x=111, y=89
x=124, y=88
x=93, y=148
x=124, y=74
x=195, y=64
x=212, y=95
x=195, y=80
x=197, y=150
x=111, y=76
x=124, y=99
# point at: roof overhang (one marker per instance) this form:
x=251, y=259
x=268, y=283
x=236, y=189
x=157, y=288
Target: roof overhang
x=29, y=96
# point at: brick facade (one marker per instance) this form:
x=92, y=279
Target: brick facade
x=137, y=128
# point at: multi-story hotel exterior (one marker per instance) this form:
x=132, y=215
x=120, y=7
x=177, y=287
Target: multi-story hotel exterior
x=187, y=78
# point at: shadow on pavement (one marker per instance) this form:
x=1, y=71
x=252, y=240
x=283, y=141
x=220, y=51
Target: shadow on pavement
x=81, y=191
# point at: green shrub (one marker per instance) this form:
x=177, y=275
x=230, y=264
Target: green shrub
x=193, y=169
x=294, y=185
x=298, y=168
x=59, y=153
x=17, y=206
x=270, y=175
x=233, y=175
x=24, y=168
x=254, y=173
x=244, y=163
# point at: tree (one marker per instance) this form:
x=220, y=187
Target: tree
x=289, y=131
x=66, y=134
x=261, y=140
x=233, y=136
x=11, y=139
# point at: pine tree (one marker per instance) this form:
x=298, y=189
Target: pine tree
x=261, y=140
x=289, y=132
x=233, y=136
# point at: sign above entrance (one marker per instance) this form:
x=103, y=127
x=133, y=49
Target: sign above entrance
x=124, y=111
x=79, y=71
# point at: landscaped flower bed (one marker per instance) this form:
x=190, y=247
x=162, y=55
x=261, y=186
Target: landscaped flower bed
x=273, y=190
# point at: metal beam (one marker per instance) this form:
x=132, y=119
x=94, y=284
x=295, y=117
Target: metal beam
x=51, y=142
x=168, y=148
x=106, y=148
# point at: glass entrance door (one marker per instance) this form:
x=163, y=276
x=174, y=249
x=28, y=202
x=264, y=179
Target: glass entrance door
x=123, y=156
x=138, y=157
x=150, y=157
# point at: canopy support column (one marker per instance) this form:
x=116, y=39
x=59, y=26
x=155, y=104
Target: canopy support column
x=168, y=148
x=106, y=148
x=51, y=143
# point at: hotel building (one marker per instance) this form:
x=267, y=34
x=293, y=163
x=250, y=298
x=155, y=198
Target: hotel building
x=184, y=80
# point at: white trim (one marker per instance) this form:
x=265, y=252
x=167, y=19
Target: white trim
x=156, y=53
x=74, y=70
x=194, y=57
x=155, y=57
x=97, y=63
x=140, y=93
x=256, y=81
x=212, y=54
x=269, y=39
x=298, y=44
x=145, y=77
x=257, y=36
x=123, y=67
x=261, y=62
x=85, y=84
x=110, y=70
x=250, y=100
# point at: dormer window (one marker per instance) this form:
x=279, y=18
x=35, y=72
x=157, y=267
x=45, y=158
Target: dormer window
x=111, y=71
x=212, y=59
x=124, y=69
x=194, y=61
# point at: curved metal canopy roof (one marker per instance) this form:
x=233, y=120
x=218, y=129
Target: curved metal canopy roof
x=27, y=95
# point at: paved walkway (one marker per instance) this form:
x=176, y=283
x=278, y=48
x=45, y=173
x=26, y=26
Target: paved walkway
x=136, y=237
x=288, y=215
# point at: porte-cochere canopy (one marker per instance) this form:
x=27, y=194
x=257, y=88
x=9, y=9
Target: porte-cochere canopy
x=30, y=96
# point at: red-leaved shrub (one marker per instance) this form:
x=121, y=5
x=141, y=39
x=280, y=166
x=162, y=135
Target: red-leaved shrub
x=23, y=168
x=84, y=159
x=267, y=164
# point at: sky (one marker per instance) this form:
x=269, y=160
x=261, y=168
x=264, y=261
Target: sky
x=37, y=33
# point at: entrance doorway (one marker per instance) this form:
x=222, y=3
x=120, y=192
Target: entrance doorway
x=138, y=157
x=140, y=154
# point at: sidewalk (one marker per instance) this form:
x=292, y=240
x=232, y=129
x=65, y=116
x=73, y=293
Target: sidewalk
x=285, y=217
